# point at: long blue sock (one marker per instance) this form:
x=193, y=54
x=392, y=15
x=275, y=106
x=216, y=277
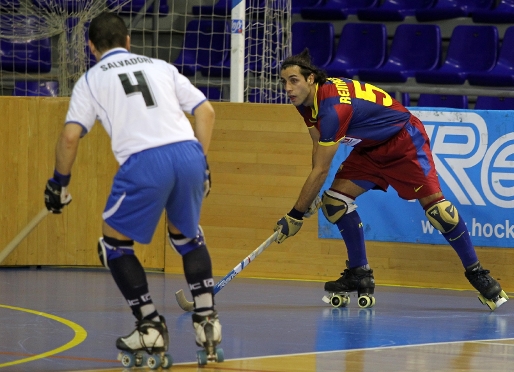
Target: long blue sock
x=460, y=240
x=350, y=227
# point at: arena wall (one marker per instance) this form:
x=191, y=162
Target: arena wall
x=259, y=158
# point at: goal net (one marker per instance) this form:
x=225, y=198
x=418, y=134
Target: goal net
x=225, y=53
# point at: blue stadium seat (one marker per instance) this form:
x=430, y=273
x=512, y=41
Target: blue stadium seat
x=393, y=10
x=135, y=6
x=448, y=9
x=212, y=93
x=35, y=88
x=64, y=6
x=471, y=49
x=297, y=5
x=494, y=103
x=361, y=45
x=224, y=7
x=443, y=100
x=9, y=5
x=206, y=43
x=404, y=98
x=336, y=9
x=502, y=13
x=415, y=47
x=33, y=55
x=254, y=45
x=502, y=74
x=318, y=37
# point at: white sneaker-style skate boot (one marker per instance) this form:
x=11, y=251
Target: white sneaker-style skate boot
x=208, y=336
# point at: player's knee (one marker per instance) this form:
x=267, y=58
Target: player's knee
x=335, y=205
x=443, y=216
x=183, y=245
x=110, y=249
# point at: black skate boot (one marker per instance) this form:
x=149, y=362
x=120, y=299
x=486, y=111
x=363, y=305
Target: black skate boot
x=208, y=336
x=147, y=344
x=357, y=279
x=491, y=293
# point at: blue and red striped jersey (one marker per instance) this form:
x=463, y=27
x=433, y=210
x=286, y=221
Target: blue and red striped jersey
x=354, y=113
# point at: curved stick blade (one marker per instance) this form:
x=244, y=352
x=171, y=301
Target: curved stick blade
x=183, y=302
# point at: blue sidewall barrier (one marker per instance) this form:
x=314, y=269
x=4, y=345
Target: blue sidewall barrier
x=474, y=156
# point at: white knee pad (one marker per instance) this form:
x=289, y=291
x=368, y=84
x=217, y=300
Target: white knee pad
x=335, y=205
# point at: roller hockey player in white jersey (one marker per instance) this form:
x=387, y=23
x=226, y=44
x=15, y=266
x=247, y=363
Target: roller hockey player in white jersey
x=141, y=102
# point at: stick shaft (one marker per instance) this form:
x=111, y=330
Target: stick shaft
x=23, y=234
x=245, y=262
x=189, y=306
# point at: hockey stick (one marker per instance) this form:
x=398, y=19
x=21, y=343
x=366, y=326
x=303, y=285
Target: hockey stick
x=189, y=306
x=23, y=234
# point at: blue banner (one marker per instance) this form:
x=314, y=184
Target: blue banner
x=474, y=157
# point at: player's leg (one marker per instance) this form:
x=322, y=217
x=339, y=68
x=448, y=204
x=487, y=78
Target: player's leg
x=187, y=239
x=116, y=251
x=414, y=177
x=443, y=215
x=338, y=206
x=132, y=212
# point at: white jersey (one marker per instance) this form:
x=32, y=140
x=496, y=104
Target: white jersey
x=140, y=101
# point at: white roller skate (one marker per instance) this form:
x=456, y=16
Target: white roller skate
x=146, y=345
x=358, y=280
x=208, y=336
x=491, y=293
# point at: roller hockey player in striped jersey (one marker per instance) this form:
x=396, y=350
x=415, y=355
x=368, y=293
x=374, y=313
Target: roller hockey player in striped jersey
x=390, y=148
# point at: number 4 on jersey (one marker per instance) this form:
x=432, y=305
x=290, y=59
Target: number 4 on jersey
x=141, y=87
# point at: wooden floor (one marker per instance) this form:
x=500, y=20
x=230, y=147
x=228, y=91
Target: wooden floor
x=64, y=319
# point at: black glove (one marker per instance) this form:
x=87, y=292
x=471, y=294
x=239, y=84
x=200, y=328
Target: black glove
x=56, y=196
x=207, y=182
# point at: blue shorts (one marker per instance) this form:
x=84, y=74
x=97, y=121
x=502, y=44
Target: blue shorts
x=170, y=178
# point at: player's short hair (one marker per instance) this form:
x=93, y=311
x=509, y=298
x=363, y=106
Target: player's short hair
x=303, y=60
x=108, y=31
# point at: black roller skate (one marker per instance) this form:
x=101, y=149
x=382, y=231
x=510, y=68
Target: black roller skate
x=208, y=336
x=491, y=293
x=146, y=345
x=357, y=279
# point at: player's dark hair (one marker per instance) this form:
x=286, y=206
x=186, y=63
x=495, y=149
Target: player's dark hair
x=303, y=60
x=108, y=31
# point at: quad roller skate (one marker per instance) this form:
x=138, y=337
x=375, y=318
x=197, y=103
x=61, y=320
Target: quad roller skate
x=491, y=293
x=208, y=336
x=357, y=279
x=146, y=345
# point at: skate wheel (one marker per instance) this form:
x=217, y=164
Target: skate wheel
x=167, y=361
x=490, y=304
x=201, y=357
x=365, y=301
x=339, y=301
x=220, y=355
x=153, y=361
x=127, y=360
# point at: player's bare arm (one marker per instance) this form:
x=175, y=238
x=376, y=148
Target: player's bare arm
x=204, y=124
x=322, y=159
x=315, y=141
x=67, y=147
